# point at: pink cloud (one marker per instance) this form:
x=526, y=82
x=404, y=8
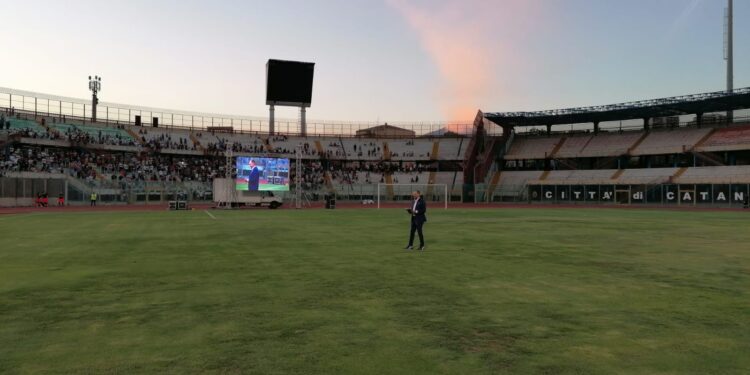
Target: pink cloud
x=472, y=44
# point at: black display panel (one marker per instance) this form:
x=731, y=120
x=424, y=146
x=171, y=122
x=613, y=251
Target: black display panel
x=289, y=83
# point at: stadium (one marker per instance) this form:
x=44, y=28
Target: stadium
x=607, y=238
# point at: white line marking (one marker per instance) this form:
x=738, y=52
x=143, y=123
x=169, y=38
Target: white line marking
x=210, y=214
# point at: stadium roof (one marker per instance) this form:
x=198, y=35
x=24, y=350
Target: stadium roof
x=679, y=105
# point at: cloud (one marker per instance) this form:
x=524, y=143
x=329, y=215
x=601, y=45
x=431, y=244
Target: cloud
x=470, y=42
x=682, y=19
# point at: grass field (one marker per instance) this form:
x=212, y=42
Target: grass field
x=263, y=187
x=332, y=292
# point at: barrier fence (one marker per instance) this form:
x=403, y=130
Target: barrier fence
x=38, y=104
x=21, y=190
x=729, y=195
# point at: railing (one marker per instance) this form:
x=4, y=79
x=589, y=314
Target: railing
x=39, y=104
x=614, y=126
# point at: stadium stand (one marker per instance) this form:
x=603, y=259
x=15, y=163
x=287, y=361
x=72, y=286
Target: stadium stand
x=577, y=177
x=572, y=146
x=728, y=139
x=23, y=125
x=94, y=134
x=162, y=139
x=410, y=149
x=514, y=180
x=646, y=175
x=358, y=149
x=532, y=148
x=715, y=175
x=610, y=144
x=670, y=141
x=450, y=149
x=127, y=157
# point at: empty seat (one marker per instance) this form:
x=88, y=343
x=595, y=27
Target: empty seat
x=716, y=175
x=572, y=146
x=670, y=141
x=646, y=176
x=531, y=148
x=728, y=139
x=603, y=145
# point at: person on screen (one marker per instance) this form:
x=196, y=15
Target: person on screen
x=418, y=218
x=253, y=179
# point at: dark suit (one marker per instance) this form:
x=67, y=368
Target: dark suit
x=418, y=218
x=253, y=179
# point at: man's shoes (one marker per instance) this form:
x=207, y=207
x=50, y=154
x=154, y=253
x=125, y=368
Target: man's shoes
x=421, y=248
x=409, y=247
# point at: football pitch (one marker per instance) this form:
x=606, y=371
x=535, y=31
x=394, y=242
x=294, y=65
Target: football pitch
x=554, y=291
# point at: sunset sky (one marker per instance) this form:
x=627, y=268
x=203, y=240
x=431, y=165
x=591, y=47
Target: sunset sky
x=376, y=60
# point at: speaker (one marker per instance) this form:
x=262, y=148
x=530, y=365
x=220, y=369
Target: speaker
x=137, y=120
x=155, y=122
x=330, y=201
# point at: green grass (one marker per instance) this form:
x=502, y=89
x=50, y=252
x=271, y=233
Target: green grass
x=263, y=187
x=332, y=292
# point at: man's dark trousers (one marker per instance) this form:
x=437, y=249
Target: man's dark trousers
x=416, y=226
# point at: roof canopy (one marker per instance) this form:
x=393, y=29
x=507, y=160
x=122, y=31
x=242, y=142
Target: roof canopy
x=678, y=105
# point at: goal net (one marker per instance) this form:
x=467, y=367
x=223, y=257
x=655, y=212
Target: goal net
x=436, y=195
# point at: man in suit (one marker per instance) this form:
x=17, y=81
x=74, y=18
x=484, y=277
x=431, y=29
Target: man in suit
x=418, y=218
x=253, y=179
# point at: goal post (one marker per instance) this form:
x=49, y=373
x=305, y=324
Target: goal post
x=401, y=193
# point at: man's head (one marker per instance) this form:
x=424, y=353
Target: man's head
x=415, y=194
x=252, y=163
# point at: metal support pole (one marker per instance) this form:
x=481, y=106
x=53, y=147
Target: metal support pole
x=271, y=124
x=303, y=121
x=298, y=178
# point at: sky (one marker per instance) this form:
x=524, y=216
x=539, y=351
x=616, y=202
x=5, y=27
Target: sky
x=376, y=60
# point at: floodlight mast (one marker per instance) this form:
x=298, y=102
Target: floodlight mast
x=95, y=85
x=729, y=52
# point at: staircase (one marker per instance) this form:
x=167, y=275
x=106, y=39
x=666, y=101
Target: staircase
x=460, y=147
x=617, y=174
x=473, y=150
x=492, y=150
x=100, y=176
x=343, y=149
x=603, y=163
x=49, y=129
x=430, y=182
x=709, y=157
x=329, y=181
x=435, y=150
x=568, y=163
x=386, y=152
x=637, y=143
x=197, y=142
x=493, y=185
x=321, y=151
x=269, y=147
x=703, y=140
x=137, y=137
x=677, y=174
x=389, y=186
x=557, y=148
